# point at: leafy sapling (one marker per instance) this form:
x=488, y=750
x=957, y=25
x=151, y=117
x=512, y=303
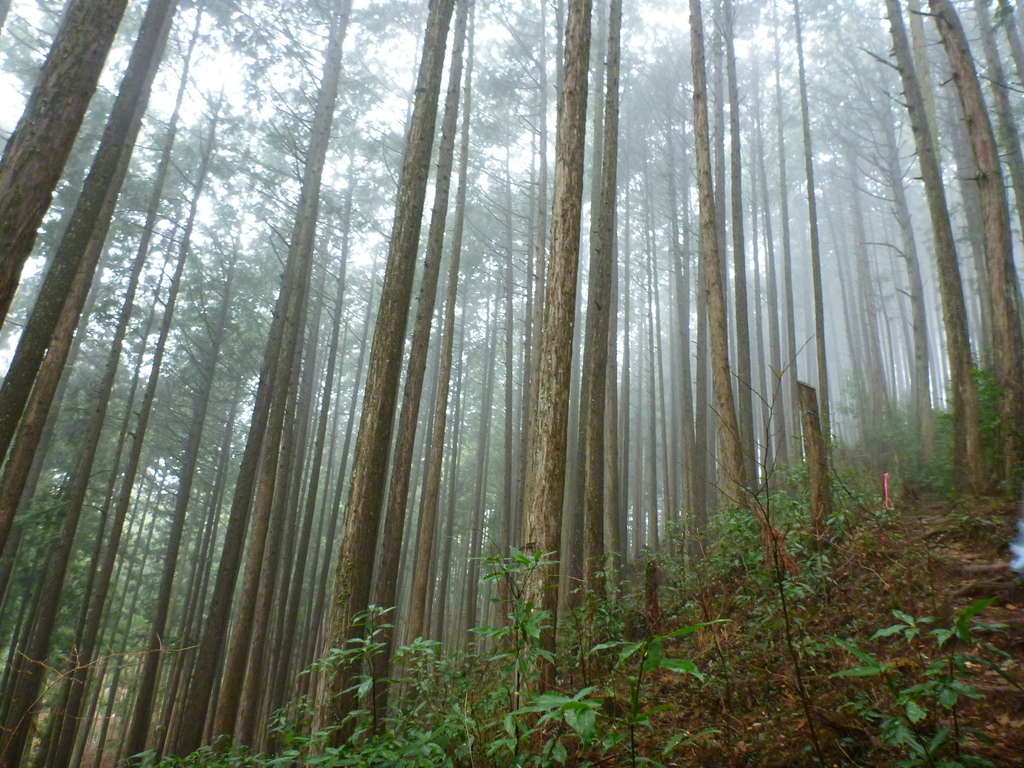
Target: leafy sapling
x=650, y=654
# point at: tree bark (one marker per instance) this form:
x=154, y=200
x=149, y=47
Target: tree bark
x=146, y=683
x=744, y=377
x=825, y=402
x=967, y=455
x=791, y=374
x=1008, y=345
x=598, y=321
x=386, y=579
x=419, y=603
x=196, y=705
x=546, y=455
x=35, y=155
x=87, y=641
x=733, y=476
x=358, y=546
x=69, y=277
x=817, y=461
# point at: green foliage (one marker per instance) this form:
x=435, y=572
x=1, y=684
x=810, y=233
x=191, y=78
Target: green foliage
x=518, y=640
x=910, y=721
x=650, y=656
x=538, y=721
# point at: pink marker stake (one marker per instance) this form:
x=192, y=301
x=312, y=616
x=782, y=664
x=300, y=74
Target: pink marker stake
x=885, y=484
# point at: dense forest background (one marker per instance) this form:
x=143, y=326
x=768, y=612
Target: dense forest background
x=417, y=383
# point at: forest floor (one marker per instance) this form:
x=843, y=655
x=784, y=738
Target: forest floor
x=853, y=650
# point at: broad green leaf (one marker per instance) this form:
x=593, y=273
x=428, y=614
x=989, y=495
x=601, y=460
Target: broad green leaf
x=905, y=618
x=584, y=722
x=683, y=666
x=653, y=658
x=948, y=698
x=915, y=713
x=860, y=672
x=889, y=631
x=963, y=628
x=605, y=646
x=683, y=631
x=629, y=650
x=559, y=753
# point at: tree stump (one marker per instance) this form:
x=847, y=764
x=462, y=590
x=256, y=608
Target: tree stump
x=817, y=459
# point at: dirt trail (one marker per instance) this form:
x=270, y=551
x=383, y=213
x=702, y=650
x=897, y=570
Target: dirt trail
x=967, y=554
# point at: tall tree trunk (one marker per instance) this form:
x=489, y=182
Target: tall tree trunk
x=87, y=641
x=733, y=476
x=778, y=410
x=147, y=682
x=386, y=577
x=824, y=400
x=790, y=377
x=973, y=228
x=920, y=385
x=1006, y=122
x=877, y=394
x=35, y=155
x=535, y=318
x=1008, y=345
x=546, y=456
x=595, y=365
x=196, y=705
x=67, y=281
x=967, y=456
x=439, y=593
x=744, y=378
x=358, y=547
x=681, y=271
x=293, y=650
x=418, y=605
x=478, y=507
x=1007, y=17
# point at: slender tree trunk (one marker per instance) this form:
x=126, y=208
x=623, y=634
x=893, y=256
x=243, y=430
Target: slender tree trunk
x=358, y=546
x=681, y=276
x=920, y=385
x=64, y=289
x=733, y=476
x=778, y=411
x=419, y=602
x=967, y=456
x=877, y=393
x=86, y=644
x=196, y=706
x=595, y=366
x=293, y=650
x=1007, y=16
x=439, y=594
x=535, y=322
x=1006, y=122
x=233, y=713
x=479, y=505
x=744, y=377
x=386, y=584
x=1007, y=336
x=546, y=457
x=824, y=400
x=653, y=534
x=973, y=227
x=35, y=155
x=147, y=682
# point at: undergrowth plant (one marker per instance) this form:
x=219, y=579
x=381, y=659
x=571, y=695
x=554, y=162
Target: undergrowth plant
x=650, y=656
x=922, y=717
